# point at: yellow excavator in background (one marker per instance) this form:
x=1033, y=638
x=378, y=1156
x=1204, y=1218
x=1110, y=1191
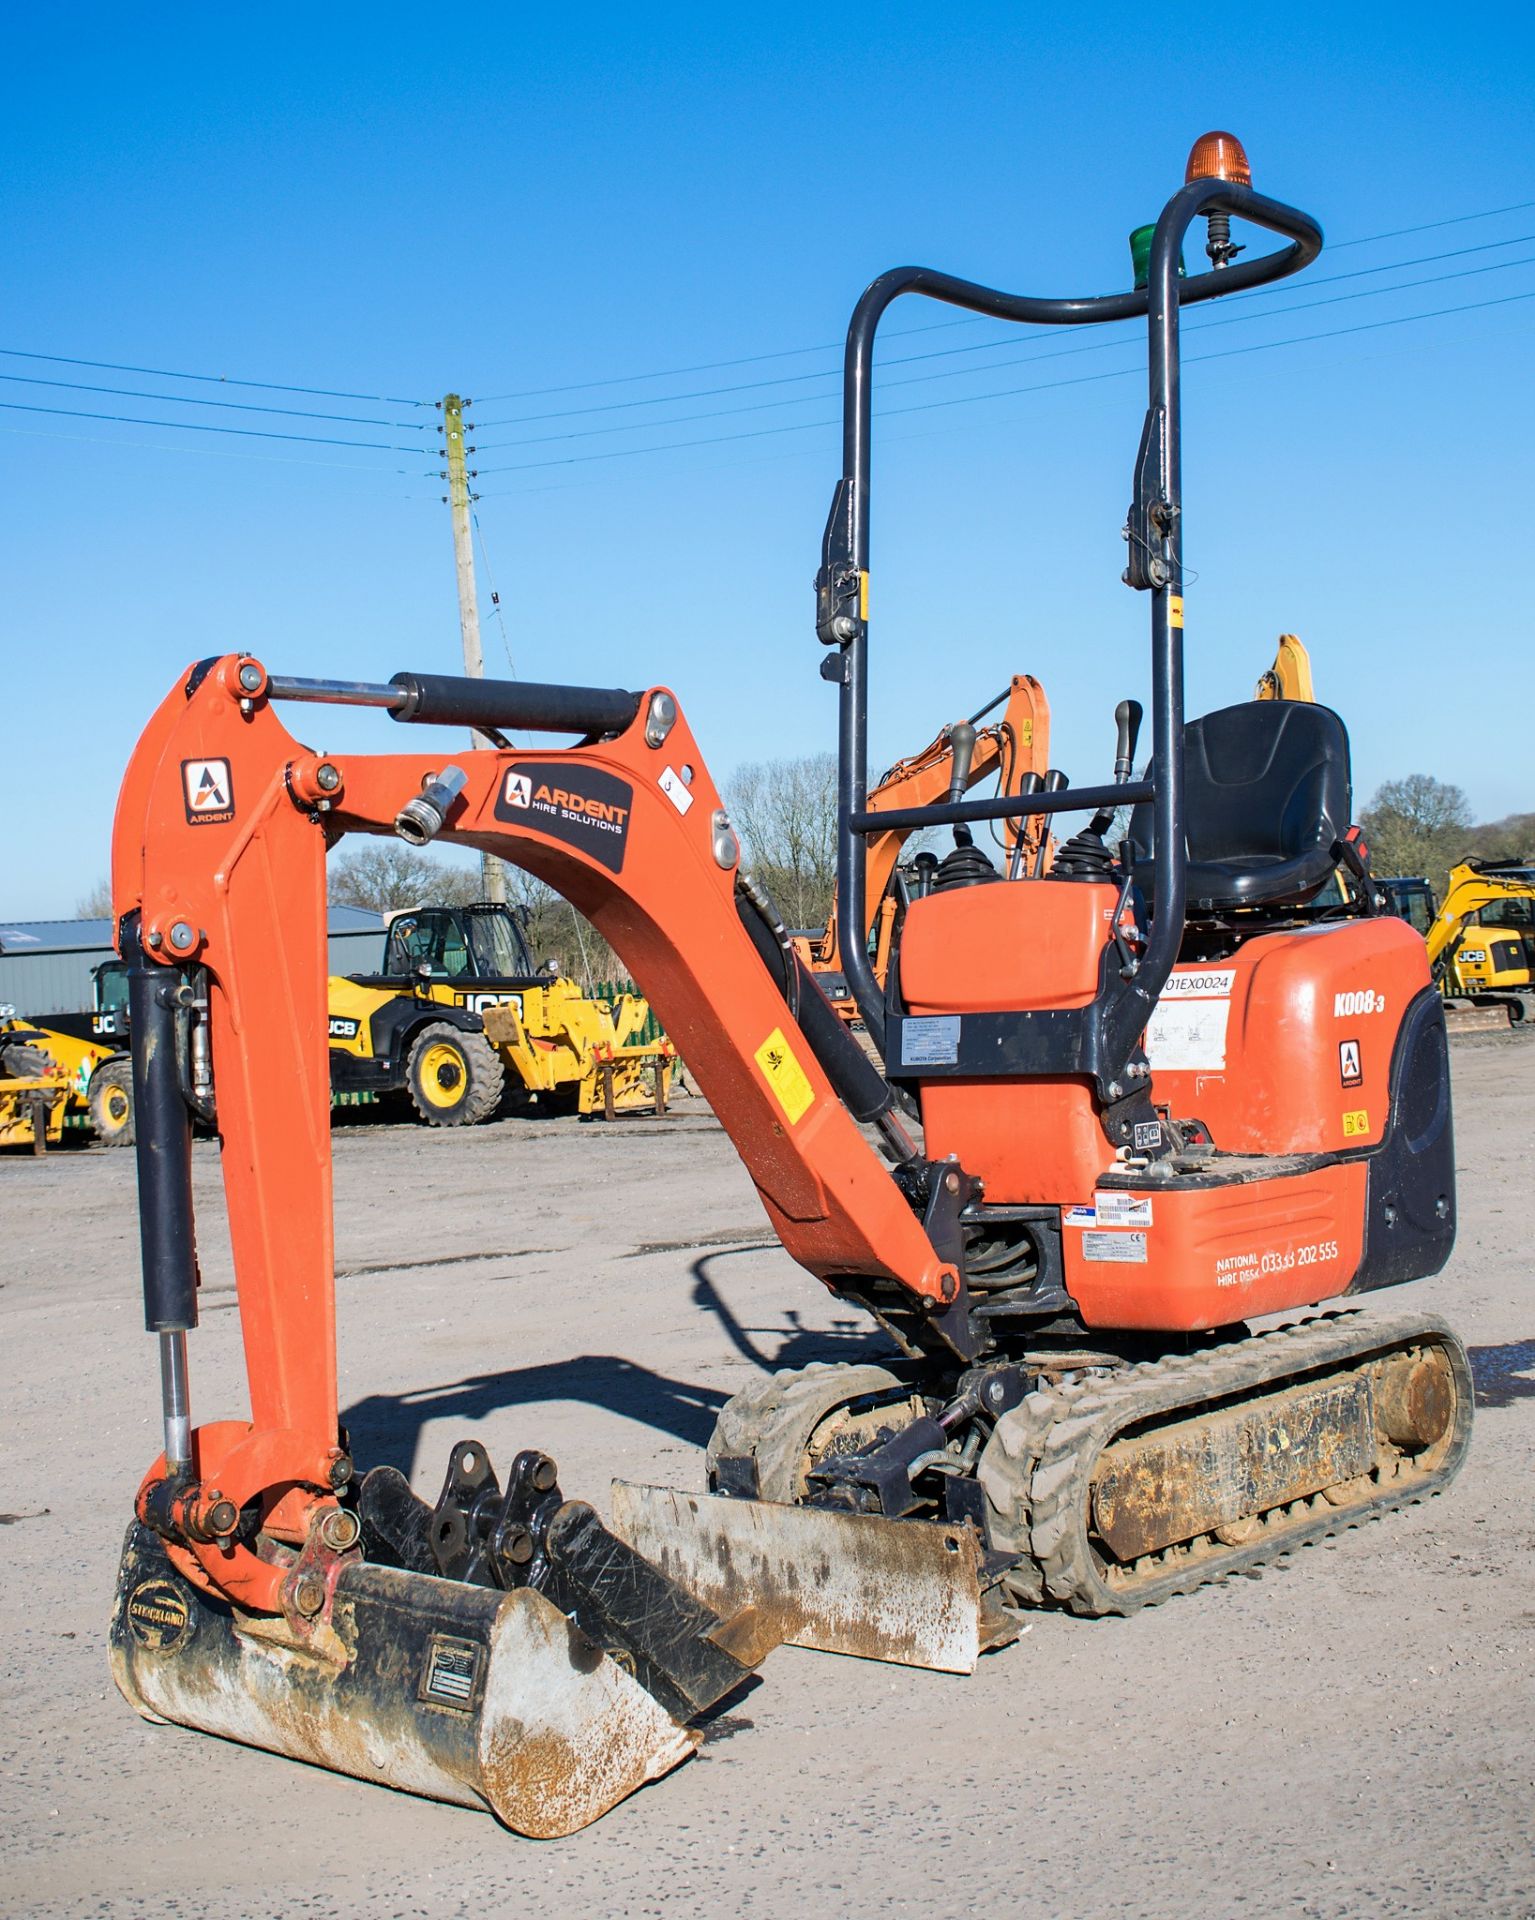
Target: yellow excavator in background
x=1481, y=938
x=1290, y=676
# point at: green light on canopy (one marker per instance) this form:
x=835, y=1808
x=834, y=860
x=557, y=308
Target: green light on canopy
x=1140, y=255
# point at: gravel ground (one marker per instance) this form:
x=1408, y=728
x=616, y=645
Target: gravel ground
x=1348, y=1734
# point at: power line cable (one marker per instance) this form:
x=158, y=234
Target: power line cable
x=221, y=453
x=983, y=346
x=1004, y=393
x=960, y=373
x=214, y=379
x=835, y=346
x=192, y=426
x=495, y=598
x=240, y=406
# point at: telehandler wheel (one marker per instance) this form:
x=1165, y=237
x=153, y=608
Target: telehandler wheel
x=456, y=1079
x=787, y=1422
x=20, y=1060
x=112, y=1103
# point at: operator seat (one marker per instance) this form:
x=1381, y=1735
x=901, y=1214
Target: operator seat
x=1267, y=799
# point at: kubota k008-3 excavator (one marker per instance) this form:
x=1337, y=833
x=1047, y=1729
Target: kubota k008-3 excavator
x=1173, y=1085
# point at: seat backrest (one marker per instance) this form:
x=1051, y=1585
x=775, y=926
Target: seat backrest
x=1267, y=796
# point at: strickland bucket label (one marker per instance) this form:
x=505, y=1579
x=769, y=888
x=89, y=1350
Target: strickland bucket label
x=582, y=806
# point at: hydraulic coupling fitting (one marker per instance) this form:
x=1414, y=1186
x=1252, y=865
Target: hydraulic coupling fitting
x=422, y=816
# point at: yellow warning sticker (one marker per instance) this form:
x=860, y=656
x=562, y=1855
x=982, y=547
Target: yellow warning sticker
x=1175, y=609
x=785, y=1075
x=863, y=596
x=1026, y=733
x=1356, y=1123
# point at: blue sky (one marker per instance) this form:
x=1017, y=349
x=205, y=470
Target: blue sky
x=396, y=201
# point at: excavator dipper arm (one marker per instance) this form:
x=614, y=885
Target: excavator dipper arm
x=219, y=855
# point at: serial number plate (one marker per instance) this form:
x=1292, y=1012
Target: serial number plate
x=931, y=1040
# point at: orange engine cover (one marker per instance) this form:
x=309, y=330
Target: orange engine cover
x=1285, y=1047
x=987, y=949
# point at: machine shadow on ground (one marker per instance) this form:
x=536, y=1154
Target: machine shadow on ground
x=849, y=1342
x=1497, y=1370
x=385, y=1428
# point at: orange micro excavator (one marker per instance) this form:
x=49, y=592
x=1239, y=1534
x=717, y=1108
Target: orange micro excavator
x=1180, y=1081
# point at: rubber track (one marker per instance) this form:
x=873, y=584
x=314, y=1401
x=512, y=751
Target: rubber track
x=771, y=1420
x=1093, y=1413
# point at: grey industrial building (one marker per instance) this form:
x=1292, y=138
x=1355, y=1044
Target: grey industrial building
x=46, y=965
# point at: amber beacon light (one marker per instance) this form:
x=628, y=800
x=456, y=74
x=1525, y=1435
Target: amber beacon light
x=1219, y=156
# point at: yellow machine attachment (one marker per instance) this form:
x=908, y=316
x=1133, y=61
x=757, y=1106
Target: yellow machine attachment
x=1290, y=676
x=459, y=1014
x=34, y=1090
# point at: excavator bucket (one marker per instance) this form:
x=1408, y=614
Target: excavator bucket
x=547, y=1703
x=915, y=1592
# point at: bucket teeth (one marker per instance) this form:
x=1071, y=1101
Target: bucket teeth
x=530, y=1537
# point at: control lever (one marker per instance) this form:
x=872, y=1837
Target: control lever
x=962, y=737
x=1055, y=781
x=1029, y=784
x=1127, y=717
x=1084, y=856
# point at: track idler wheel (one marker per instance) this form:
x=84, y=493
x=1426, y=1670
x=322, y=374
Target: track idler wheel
x=770, y=1435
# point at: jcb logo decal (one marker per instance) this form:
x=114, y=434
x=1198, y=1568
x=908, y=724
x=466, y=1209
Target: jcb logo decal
x=209, y=791
x=342, y=1029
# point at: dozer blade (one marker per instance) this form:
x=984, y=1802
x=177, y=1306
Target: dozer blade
x=913, y=1592
x=457, y=1692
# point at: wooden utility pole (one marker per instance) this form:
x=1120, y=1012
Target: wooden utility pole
x=492, y=875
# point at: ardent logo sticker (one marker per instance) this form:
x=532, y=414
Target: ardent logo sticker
x=209, y=791
x=583, y=806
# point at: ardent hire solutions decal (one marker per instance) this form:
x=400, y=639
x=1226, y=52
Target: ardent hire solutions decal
x=582, y=806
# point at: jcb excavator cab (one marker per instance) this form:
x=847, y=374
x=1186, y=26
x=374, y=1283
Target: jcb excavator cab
x=1412, y=900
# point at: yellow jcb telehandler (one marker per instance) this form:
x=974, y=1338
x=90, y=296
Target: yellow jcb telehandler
x=460, y=1014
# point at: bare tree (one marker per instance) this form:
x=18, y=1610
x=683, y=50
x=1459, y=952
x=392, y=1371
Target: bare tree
x=384, y=875
x=97, y=904
x=1417, y=825
x=786, y=814
x=1511, y=838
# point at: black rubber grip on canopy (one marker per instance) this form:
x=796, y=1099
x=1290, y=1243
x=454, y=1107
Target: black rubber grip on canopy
x=452, y=700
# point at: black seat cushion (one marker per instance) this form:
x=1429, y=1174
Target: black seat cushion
x=1268, y=796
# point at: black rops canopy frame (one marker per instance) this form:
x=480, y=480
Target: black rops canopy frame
x=1097, y=1040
